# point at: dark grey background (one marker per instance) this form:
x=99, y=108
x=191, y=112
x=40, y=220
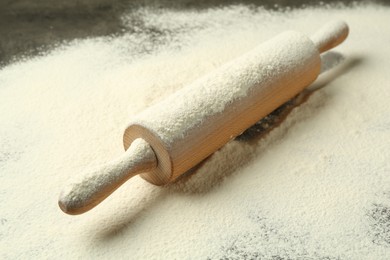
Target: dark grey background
x=27, y=27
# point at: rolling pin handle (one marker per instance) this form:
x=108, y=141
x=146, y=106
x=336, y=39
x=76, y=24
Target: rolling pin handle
x=97, y=184
x=330, y=35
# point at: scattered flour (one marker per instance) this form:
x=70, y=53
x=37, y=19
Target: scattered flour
x=316, y=186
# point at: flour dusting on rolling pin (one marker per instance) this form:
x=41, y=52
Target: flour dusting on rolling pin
x=169, y=138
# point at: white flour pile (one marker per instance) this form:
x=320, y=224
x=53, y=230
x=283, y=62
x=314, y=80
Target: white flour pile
x=317, y=186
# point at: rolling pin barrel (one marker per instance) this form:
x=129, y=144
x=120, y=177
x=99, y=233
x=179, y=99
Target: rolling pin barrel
x=197, y=120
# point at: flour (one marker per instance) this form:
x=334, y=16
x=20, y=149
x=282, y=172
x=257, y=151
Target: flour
x=314, y=186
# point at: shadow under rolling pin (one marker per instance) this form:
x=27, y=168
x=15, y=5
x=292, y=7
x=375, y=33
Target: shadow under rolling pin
x=169, y=138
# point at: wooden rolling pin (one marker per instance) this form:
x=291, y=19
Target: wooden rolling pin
x=169, y=138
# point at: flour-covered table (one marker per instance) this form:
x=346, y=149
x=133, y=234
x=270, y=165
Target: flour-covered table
x=310, y=182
